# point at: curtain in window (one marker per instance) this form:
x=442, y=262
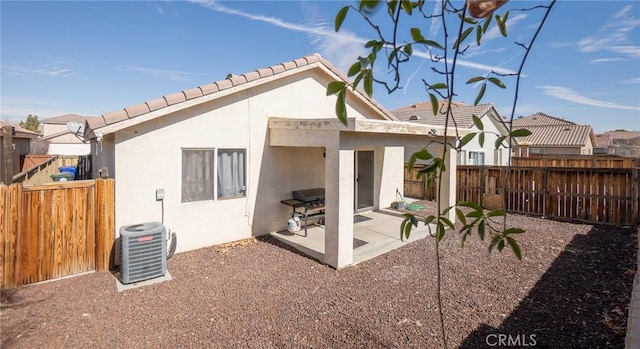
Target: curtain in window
x=231, y=173
x=197, y=175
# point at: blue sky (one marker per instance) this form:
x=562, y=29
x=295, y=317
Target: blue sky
x=91, y=57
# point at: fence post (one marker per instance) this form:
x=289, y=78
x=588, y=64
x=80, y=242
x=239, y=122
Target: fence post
x=4, y=233
x=546, y=193
x=7, y=155
x=105, y=224
x=482, y=175
x=635, y=195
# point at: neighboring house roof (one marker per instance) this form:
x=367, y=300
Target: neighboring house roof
x=423, y=113
x=32, y=160
x=623, y=135
x=58, y=134
x=539, y=119
x=233, y=83
x=21, y=132
x=551, y=131
x=569, y=135
x=462, y=114
x=603, y=140
x=63, y=119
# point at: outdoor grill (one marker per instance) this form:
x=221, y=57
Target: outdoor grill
x=311, y=201
x=315, y=195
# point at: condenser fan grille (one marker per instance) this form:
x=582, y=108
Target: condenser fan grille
x=144, y=252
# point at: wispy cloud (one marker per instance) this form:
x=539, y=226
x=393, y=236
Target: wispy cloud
x=615, y=36
x=606, y=60
x=561, y=44
x=51, y=72
x=632, y=81
x=435, y=24
x=17, y=108
x=342, y=48
x=570, y=95
x=160, y=73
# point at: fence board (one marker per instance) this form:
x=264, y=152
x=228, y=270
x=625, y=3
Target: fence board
x=581, y=161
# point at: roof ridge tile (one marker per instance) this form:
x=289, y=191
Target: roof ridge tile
x=231, y=81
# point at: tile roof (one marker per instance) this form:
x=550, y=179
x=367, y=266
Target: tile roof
x=603, y=139
x=230, y=82
x=422, y=113
x=539, y=119
x=557, y=135
x=21, y=132
x=618, y=135
x=63, y=119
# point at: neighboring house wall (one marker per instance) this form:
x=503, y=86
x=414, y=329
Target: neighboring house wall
x=475, y=154
x=538, y=150
x=61, y=140
x=69, y=149
x=21, y=146
x=471, y=153
x=50, y=129
x=625, y=144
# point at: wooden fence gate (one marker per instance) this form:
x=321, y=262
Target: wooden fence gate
x=53, y=230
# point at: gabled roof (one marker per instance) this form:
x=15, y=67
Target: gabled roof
x=568, y=135
x=620, y=135
x=233, y=83
x=21, y=132
x=603, y=139
x=462, y=114
x=540, y=119
x=57, y=134
x=63, y=119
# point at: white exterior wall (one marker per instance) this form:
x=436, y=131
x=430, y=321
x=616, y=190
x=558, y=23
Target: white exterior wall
x=389, y=161
x=49, y=129
x=148, y=156
x=491, y=135
x=69, y=149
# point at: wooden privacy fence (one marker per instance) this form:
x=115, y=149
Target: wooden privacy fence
x=590, y=195
x=582, y=161
x=54, y=230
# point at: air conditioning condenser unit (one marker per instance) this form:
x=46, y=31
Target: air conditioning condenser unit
x=144, y=252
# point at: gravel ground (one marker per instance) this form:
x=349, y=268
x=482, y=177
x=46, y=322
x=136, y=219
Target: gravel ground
x=571, y=290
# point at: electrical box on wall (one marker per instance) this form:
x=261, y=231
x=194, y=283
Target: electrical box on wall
x=159, y=194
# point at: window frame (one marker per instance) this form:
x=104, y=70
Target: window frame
x=214, y=173
x=183, y=175
x=474, y=155
x=243, y=191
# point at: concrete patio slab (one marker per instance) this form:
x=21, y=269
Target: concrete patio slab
x=374, y=233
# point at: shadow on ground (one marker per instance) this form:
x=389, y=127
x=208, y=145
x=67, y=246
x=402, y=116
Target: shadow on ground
x=580, y=302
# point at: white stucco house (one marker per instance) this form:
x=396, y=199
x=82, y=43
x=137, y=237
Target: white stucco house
x=472, y=153
x=63, y=141
x=225, y=154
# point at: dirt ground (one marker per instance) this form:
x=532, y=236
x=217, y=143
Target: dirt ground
x=571, y=290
